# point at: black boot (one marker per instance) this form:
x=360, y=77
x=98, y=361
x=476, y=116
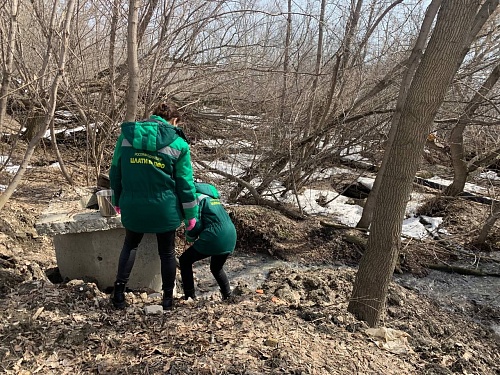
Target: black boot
x=118, y=297
x=168, y=301
x=227, y=295
x=189, y=294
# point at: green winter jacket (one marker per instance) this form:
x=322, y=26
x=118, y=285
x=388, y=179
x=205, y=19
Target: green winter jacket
x=151, y=176
x=214, y=232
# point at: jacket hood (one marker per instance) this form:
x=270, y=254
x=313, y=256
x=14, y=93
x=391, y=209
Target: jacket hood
x=207, y=189
x=151, y=134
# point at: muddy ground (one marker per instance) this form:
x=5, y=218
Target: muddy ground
x=294, y=322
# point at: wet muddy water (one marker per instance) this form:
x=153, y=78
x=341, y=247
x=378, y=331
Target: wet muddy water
x=474, y=296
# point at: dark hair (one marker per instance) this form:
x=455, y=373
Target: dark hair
x=167, y=110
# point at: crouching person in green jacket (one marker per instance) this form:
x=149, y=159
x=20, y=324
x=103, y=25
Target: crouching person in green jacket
x=214, y=236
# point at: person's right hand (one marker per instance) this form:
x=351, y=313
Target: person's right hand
x=190, y=223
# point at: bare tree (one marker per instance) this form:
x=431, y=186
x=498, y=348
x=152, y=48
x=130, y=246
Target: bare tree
x=133, y=64
x=286, y=59
x=432, y=78
x=411, y=67
x=485, y=11
x=49, y=117
x=9, y=58
x=488, y=225
x=461, y=168
x=339, y=101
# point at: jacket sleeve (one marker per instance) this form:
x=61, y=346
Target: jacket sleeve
x=183, y=174
x=115, y=172
x=200, y=226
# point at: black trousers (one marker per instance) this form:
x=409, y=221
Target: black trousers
x=190, y=256
x=166, y=250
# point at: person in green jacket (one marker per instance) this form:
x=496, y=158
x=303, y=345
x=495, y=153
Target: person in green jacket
x=152, y=180
x=214, y=236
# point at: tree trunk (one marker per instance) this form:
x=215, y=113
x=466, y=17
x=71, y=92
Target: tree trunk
x=286, y=59
x=55, y=87
x=44, y=83
x=50, y=110
x=416, y=54
x=9, y=59
x=342, y=58
x=495, y=214
x=458, y=160
x=460, y=167
x=133, y=63
x=426, y=93
x=317, y=71
x=111, y=57
x=34, y=123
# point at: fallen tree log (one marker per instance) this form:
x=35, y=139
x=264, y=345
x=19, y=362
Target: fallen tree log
x=290, y=213
x=356, y=240
x=461, y=270
x=340, y=226
x=464, y=194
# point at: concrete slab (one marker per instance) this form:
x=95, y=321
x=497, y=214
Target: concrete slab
x=64, y=217
x=94, y=256
x=88, y=245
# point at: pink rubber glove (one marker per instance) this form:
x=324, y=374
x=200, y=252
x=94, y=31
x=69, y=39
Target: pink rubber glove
x=191, y=224
x=117, y=210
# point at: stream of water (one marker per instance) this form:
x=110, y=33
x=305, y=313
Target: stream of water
x=249, y=270
x=452, y=291
x=464, y=293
